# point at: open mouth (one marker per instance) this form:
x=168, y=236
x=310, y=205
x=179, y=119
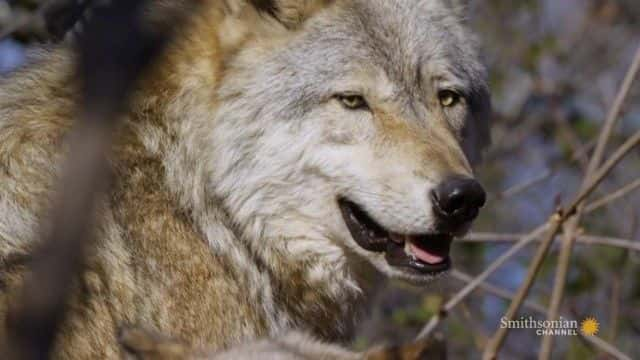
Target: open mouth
x=421, y=253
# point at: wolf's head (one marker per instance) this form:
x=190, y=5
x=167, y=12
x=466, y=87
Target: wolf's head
x=346, y=131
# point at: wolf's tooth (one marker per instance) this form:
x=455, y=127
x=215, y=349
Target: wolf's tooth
x=407, y=250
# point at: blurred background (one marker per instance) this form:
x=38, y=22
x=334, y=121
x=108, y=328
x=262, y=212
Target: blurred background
x=555, y=68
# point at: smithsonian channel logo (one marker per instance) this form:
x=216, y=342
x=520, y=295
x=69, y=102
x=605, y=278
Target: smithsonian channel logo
x=560, y=327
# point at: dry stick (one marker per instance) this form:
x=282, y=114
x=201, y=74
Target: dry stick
x=609, y=241
x=496, y=290
x=556, y=222
x=564, y=258
x=519, y=188
x=464, y=292
x=616, y=282
x=482, y=237
x=607, y=199
x=508, y=295
x=595, y=180
x=572, y=139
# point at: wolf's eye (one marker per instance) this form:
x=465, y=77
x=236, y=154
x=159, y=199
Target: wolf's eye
x=448, y=98
x=352, y=102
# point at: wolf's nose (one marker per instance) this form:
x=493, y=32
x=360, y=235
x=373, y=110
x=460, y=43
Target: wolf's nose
x=458, y=199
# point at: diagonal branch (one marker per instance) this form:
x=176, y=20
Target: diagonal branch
x=519, y=188
x=607, y=199
x=497, y=291
x=601, y=173
x=581, y=239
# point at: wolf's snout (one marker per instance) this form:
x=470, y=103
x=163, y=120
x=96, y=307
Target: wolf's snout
x=457, y=200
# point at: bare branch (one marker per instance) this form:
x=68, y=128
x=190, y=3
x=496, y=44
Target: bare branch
x=526, y=185
x=497, y=291
x=614, y=114
x=519, y=188
x=581, y=239
x=607, y=199
x=601, y=173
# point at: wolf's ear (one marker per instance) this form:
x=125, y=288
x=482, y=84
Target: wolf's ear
x=291, y=13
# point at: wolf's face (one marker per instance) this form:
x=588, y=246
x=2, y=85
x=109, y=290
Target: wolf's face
x=350, y=135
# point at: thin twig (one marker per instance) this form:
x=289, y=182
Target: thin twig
x=497, y=291
x=607, y=199
x=572, y=139
x=581, y=239
x=576, y=155
x=616, y=282
x=614, y=113
x=601, y=173
x=519, y=188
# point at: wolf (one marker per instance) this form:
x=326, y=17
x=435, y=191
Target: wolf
x=280, y=159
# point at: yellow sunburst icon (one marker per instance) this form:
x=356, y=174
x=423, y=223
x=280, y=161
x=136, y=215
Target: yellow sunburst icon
x=589, y=326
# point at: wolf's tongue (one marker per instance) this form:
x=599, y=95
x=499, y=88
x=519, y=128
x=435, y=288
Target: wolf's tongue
x=425, y=256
